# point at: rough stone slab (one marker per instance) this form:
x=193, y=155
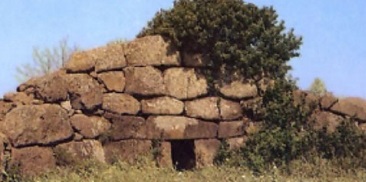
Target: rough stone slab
x=164, y=158
x=179, y=127
x=206, y=151
x=50, y=88
x=3, y=141
x=231, y=129
x=326, y=120
x=127, y=150
x=110, y=58
x=184, y=83
x=151, y=50
x=230, y=110
x=162, y=105
x=205, y=108
x=120, y=103
x=239, y=90
x=5, y=107
x=144, y=81
x=38, y=124
x=327, y=101
x=19, y=98
x=114, y=81
x=90, y=126
x=76, y=152
x=353, y=107
x=32, y=161
x=126, y=127
x=195, y=60
x=85, y=92
x=237, y=142
x=81, y=61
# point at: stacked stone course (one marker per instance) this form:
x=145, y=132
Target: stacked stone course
x=115, y=102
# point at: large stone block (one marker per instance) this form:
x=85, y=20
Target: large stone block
x=162, y=105
x=50, y=88
x=151, y=50
x=179, y=127
x=38, y=124
x=120, y=103
x=231, y=129
x=76, y=152
x=110, y=58
x=81, y=61
x=205, y=108
x=90, y=126
x=239, y=90
x=326, y=120
x=353, y=107
x=206, y=151
x=19, y=98
x=126, y=127
x=5, y=107
x=184, y=83
x=32, y=161
x=85, y=92
x=230, y=110
x=163, y=154
x=327, y=101
x=114, y=81
x=127, y=150
x=144, y=81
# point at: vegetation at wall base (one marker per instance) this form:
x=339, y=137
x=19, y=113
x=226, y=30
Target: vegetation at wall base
x=241, y=39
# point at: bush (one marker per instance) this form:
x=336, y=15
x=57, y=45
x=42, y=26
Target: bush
x=241, y=39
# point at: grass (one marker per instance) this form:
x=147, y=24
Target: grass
x=146, y=171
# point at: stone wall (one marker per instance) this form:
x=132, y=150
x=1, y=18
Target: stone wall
x=122, y=101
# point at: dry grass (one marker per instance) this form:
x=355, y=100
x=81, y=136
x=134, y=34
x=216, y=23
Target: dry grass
x=145, y=171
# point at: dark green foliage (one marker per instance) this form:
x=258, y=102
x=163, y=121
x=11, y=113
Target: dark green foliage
x=241, y=39
x=283, y=137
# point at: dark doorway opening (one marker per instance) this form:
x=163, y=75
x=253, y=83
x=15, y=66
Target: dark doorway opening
x=183, y=155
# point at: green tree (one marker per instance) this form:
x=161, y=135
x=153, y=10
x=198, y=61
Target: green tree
x=318, y=87
x=46, y=61
x=241, y=39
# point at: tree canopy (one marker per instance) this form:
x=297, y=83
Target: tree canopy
x=240, y=38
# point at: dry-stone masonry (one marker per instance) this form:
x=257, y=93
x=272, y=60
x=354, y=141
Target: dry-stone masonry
x=123, y=101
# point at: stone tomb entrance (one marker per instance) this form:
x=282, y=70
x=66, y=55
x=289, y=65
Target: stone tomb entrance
x=183, y=154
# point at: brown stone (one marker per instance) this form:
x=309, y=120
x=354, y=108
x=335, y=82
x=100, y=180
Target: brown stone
x=19, y=98
x=151, y=50
x=239, y=90
x=51, y=88
x=179, y=127
x=195, y=60
x=162, y=105
x=144, y=81
x=231, y=129
x=206, y=151
x=327, y=101
x=82, y=61
x=184, y=83
x=76, y=152
x=351, y=106
x=230, y=110
x=120, y=103
x=126, y=127
x=31, y=161
x=114, y=81
x=110, y=58
x=5, y=107
x=38, y=124
x=237, y=142
x=90, y=126
x=85, y=92
x=205, y=108
x=127, y=150
x=326, y=120
x=3, y=143
x=164, y=154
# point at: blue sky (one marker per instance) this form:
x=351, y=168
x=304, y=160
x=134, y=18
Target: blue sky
x=334, y=46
